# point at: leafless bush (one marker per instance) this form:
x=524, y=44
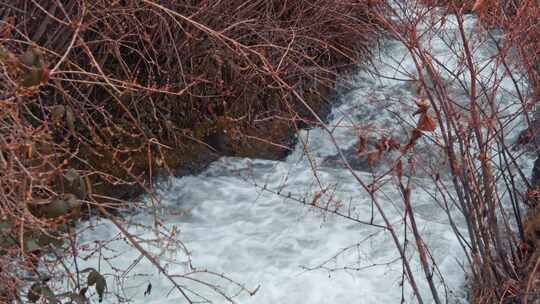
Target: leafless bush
x=100, y=95
x=469, y=112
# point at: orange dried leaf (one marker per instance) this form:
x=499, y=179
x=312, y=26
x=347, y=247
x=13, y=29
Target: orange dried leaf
x=426, y=123
x=423, y=105
x=479, y=6
x=387, y=144
x=482, y=157
x=8, y=24
x=362, y=144
x=373, y=158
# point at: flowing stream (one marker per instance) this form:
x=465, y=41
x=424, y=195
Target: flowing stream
x=233, y=222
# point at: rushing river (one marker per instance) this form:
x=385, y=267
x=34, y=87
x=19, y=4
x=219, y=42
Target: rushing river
x=233, y=223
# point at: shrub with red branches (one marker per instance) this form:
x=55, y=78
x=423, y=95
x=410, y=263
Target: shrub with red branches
x=96, y=96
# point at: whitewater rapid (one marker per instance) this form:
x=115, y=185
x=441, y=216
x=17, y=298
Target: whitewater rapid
x=232, y=225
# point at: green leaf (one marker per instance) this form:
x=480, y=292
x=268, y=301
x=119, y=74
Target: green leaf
x=48, y=294
x=76, y=184
x=96, y=278
x=72, y=200
x=31, y=245
x=70, y=119
x=4, y=54
x=5, y=225
x=92, y=277
x=72, y=175
x=61, y=205
x=34, y=293
x=7, y=241
x=31, y=57
x=45, y=240
x=56, y=208
x=101, y=284
x=33, y=78
x=57, y=113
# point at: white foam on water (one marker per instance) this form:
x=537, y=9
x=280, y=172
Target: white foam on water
x=261, y=239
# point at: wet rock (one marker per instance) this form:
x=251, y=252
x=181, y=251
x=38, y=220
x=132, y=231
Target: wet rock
x=318, y=100
x=218, y=142
x=362, y=162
